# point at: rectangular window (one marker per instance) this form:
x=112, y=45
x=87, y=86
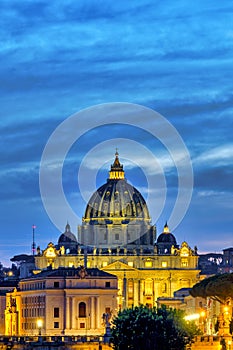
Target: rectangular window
x=105, y=263
x=56, y=284
x=184, y=262
x=117, y=237
x=130, y=263
x=56, y=324
x=148, y=264
x=107, y=284
x=82, y=325
x=164, y=263
x=56, y=312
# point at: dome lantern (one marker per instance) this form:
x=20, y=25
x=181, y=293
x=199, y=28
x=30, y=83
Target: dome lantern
x=116, y=172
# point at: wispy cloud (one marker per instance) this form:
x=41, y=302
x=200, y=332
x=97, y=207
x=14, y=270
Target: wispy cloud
x=216, y=157
x=60, y=57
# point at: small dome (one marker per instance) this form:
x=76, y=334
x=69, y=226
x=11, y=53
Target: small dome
x=166, y=238
x=165, y=241
x=67, y=237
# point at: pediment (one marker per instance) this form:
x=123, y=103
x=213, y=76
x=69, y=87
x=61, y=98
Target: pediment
x=118, y=265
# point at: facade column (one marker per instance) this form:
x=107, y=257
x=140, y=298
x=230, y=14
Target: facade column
x=135, y=292
x=141, y=291
x=92, y=312
x=125, y=293
x=73, y=313
x=156, y=292
x=67, y=313
x=98, y=312
x=170, y=285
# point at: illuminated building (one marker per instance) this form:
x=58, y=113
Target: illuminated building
x=64, y=301
x=116, y=236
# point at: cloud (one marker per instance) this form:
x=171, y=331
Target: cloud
x=59, y=57
x=217, y=157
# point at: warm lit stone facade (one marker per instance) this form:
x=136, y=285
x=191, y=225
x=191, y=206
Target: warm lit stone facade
x=67, y=301
x=142, y=278
x=116, y=236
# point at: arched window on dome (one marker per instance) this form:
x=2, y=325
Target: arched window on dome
x=117, y=208
x=95, y=209
x=82, y=309
x=139, y=209
x=105, y=209
x=128, y=209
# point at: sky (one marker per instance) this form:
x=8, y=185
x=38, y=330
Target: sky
x=60, y=58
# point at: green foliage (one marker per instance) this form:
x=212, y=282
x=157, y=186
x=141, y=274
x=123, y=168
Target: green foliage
x=142, y=328
x=219, y=287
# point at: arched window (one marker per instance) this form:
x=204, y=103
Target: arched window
x=82, y=310
x=128, y=209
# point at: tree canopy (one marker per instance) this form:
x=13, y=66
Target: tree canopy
x=143, y=328
x=218, y=287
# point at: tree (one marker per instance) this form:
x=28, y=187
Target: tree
x=218, y=287
x=143, y=328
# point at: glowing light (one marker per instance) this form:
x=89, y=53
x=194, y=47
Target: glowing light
x=192, y=317
x=39, y=323
x=202, y=314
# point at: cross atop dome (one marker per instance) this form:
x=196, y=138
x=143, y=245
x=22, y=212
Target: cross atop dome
x=116, y=172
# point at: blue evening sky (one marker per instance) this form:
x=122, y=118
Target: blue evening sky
x=60, y=57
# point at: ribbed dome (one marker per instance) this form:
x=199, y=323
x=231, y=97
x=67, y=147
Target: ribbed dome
x=167, y=238
x=67, y=236
x=116, y=199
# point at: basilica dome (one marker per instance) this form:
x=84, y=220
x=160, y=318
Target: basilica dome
x=116, y=214
x=116, y=199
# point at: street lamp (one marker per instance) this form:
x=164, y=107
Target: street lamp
x=203, y=321
x=39, y=325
